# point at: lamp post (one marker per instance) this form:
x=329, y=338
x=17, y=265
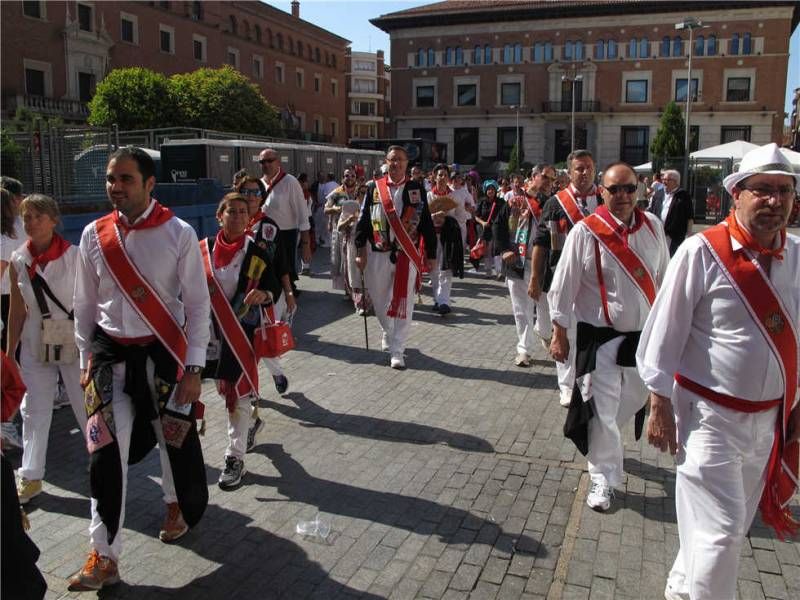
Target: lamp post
x=691, y=24
x=517, y=107
x=572, y=78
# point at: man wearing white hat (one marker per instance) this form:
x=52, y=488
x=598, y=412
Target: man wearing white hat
x=719, y=354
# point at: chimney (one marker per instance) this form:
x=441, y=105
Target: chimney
x=296, y=8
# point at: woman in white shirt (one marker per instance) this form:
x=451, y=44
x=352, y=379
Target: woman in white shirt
x=46, y=261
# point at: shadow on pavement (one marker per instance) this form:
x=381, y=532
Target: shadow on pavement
x=311, y=414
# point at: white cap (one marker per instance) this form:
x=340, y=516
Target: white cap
x=764, y=159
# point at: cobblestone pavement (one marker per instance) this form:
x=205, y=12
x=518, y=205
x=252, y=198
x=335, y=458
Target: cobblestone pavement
x=448, y=480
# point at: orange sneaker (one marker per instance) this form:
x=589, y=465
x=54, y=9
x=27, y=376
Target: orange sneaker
x=98, y=572
x=174, y=527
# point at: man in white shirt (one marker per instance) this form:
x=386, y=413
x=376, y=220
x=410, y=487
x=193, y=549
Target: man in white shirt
x=142, y=319
x=673, y=205
x=606, y=279
x=465, y=207
x=719, y=356
x=286, y=206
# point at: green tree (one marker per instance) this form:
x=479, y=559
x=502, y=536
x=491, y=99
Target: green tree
x=668, y=143
x=133, y=98
x=513, y=160
x=225, y=100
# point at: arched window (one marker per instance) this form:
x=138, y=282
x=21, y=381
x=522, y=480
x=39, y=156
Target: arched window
x=517, y=53
x=633, y=48
x=317, y=55
x=548, y=52
x=421, y=57
x=333, y=60
x=431, y=57
x=644, y=48
x=599, y=50
x=487, y=54
x=734, y=44
x=257, y=29
x=459, y=56
x=327, y=59
x=699, y=45
x=477, y=55
x=290, y=44
x=579, y=51
x=234, y=27
x=246, y=29
x=569, y=50
x=310, y=52
x=299, y=48
x=197, y=11
x=747, y=46
x=448, y=56
x=611, y=49
x=279, y=41
x=711, y=45
x=507, y=58
x=665, y=44
x=677, y=46
x=269, y=38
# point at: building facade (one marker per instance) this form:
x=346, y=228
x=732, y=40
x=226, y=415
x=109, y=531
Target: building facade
x=368, y=95
x=481, y=75
x=55, y=53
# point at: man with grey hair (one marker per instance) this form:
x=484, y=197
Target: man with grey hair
x=674, y=207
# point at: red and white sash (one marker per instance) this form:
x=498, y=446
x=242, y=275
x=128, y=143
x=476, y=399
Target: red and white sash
x=780, y=332
x=138, y=292
x=231, y=329
x=570, y=206
x=409, y=254
x=631, y=263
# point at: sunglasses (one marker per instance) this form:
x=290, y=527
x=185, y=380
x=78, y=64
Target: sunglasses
x=626, y=188
x=267, y=160
x=248, y=192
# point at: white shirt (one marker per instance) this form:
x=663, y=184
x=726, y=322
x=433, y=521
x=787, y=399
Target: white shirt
x=464, y=199
x=7, y=247
x=60, y=277
x=665, y=205
x=286, y=204
x=575, y=290
x=700, y=328
x=168, y=257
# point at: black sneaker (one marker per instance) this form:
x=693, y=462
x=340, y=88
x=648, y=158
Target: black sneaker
x=232, y=474
x=281, y=383
x=255, y=426
x=444, y=309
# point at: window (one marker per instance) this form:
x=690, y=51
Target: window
x=731, y=134
x=611, y=49
x=467, y=94
x=711, y=45
x=477, y=55
x=365, y=86
x=425, y=96
x=699, y=45
x=465, y=145
x=420, y=58
x=459, y=56
x=86, y=86
x=510, y=94
x=317, y=55
x=634, y=145
x=257, y=30
x=639, y=48
x=166, y=37
x=199, y=45
x=334, y=127
x=677, y=47
x=644, y=48
x=232, y=57
x=164, y=4
x=567, y=89
x=197, y=11
x=448, y=56
x=741, y=44
x=738, y=89
x=579, y=50
x=235, y=26
x=334, y=88
x=636, y=91
x=431, y=57
x=317, y=83
x=599, y=50
x=318, y=125
x=129, y=28
x=542, y=52
x=747, y=47
x=508, y=54
x=665, y=46
x=487, y=54
x=32, y=9
x=680, y=90
x=333, y=60
x=258, y=67
x=363, y=65
x=300, y=78
x=734, y=49
x=569, y=50
x=299, y=48
x=506, y=138
x=34, y=82
x=85, y=17
x=424, y=134
x=364, y=108
x=279, y=73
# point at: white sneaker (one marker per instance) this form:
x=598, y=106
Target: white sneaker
x=599, y=497
x=385, y=343
x=670, y=594
x=397, y=361
x=565, y=397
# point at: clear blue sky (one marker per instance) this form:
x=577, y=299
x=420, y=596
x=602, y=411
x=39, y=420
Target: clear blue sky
x=351, y=20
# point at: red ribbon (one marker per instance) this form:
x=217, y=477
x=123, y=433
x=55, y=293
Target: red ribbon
x=58, y=246
x=158, y=216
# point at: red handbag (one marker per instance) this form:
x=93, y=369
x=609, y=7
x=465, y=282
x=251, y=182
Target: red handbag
x=272, y=338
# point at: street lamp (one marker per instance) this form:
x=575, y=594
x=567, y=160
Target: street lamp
x=517, y=107
x=691, y=24
x=572, y=78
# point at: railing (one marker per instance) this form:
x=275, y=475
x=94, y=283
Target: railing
x=72, y=109
x=565, y=106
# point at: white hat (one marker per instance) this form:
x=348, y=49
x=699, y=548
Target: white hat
x=764, y=159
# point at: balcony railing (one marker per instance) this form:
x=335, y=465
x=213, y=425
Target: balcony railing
x=69, y=109
x=565, y=106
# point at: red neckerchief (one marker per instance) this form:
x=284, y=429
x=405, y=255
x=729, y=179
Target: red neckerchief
x=435, y=191
x=741, y=235
x=158, y=216
x=578, y=196
x=58, y=246
x=623, y=230
x=256, y=218
x=392, y=184
x=224, y=251
x=274, y=181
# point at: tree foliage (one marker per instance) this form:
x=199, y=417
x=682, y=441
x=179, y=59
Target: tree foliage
x=222, y=99
x=513, y=160
x=133, y=98
x=668, y=142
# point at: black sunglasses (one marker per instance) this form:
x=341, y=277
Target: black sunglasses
x=628, y=188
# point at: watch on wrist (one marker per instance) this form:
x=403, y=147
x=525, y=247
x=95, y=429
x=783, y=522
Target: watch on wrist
x=193, y=369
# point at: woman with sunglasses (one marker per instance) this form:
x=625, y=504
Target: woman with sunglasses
x=341, y=206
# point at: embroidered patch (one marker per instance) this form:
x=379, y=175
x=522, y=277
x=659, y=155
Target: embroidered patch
x=774, y=323
x=175, y=430
x=97, y=433
x=639, y=273
x=138, y=293
x=269, y=232
x=91, y=398
x=414, y=196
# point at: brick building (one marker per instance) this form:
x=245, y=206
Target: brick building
x=477, y=74
x=368, y=95
x=54, y=53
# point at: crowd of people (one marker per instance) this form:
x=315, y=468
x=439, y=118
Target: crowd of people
x=603, y=271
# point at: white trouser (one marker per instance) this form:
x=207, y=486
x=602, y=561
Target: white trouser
x=617, y=394
x=493, y=264
x=524, y=309
x=41, y=380
x=274, y=364
x=719, y=481
x=380, y=281
x=441, y=280
x=543, y=326
x=122, y=407
x=566, y=370
x=321, y=225
x=238, y=423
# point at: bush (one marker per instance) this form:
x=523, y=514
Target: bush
x=133, y=98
